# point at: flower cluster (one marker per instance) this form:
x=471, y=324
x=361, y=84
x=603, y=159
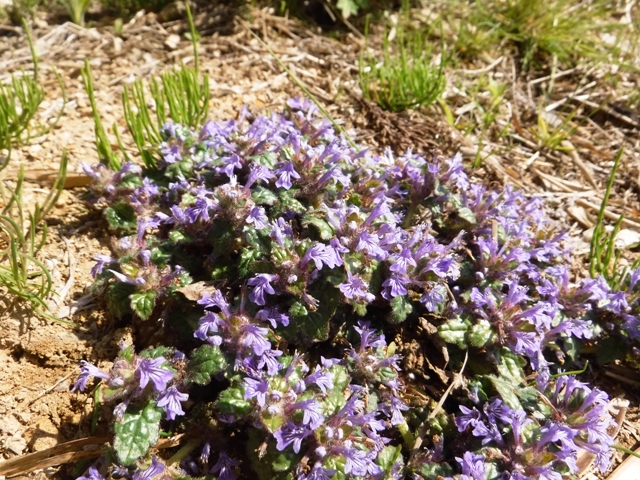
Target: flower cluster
x=317, y=266
x=522, y=446
x=137, y=378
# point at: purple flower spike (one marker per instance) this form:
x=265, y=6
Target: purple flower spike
x=88, y=370
x=287, y=172
x=150, y=370
x=171, y=400
x=224, y=467
x=261, y=284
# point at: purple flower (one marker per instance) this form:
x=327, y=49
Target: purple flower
x=357, y=461
x=258, y=217
x=367, y=337
x=290, y=433
x=472, y=465
x=395, y=286
x=318, y=472
x=312, y=417
x=224, y=467
x=210, y=323
x=258, y=173
x=433, y=297
x=256, y=388
x=88, y=370
x=618, y=302
x=261, y=284
x=321, y=254
x=215, y=300
x=321, y=379
x=156, y=468
x=254, y=337
x=355, y=289
x=170, y=400
x=103, y=261
x=370, y=244
x=468, y=418
x=171, y=154
x=402, y=261
x=92, y=474
x=273, y=316
x=287, y=172
x=149, y=369
x=394, y=408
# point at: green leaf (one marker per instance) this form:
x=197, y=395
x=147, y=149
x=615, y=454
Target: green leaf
x=467, y=215
x=266, y=159
x=160, y=258
x=610, y=349
x=481, y=334
x=400, y=308
x=177, y=236
x=510, y=367
x=118, y=301
x=273, y=422
x=333, y=402
x=314, y=326
x=339, y=377
x=454, y=331
x=231, y=402
x=298, y=309
x=155, y=352
x=389, y=456
x=263, y=196
x=205, y=361
x=288, y=203
x=138, y=430
x=348, y=7
x=121, y=216
x=325, y=230
x=143, y=303
x=508, y=392
x=247, y=257
x=221, y=236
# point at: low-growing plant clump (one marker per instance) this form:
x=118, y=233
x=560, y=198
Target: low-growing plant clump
x=280, y=274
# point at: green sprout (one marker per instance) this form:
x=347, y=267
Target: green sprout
x=77, y=10
x=603, y=255
x=21, y=273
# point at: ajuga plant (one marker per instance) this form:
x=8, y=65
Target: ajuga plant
x=279, y=277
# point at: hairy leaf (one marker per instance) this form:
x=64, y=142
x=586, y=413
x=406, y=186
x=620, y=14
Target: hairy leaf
x=205, y=362
x=138, y=430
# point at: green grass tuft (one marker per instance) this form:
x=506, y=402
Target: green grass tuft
x=405, y=77
x=21, y=273
x=538, y=29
